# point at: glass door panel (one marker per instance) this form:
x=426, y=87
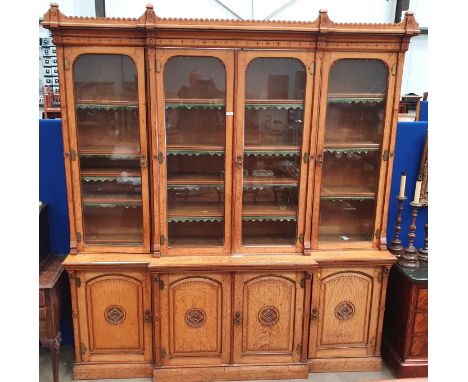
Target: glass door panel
x=273, y=127
x=107, y=120
x=195, y=126
x=352, y=150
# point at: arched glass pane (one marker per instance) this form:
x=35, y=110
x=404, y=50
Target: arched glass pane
x=353, y=138
x=273, y=128
x=195, y=125
x=107, y=119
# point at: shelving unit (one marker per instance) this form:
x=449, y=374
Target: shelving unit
x=228, y=193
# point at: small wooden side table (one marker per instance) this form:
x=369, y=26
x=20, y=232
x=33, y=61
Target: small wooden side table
x=405, y=333
x=52, y=281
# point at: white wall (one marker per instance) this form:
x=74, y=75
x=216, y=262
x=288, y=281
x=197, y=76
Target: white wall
x=378, y=11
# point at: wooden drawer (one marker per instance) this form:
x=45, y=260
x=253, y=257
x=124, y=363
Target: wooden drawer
x=419, y=346
x=420, y=322
x=41, y=299
x=422, y=299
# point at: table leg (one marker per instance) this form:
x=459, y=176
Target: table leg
x=53, y=344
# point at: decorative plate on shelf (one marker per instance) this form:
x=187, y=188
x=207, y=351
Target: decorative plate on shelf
x=263, y=173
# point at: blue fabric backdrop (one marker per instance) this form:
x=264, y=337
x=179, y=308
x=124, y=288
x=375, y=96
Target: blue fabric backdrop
x=410, y=141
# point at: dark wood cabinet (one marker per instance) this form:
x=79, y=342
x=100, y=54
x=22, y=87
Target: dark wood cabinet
x=405, y=335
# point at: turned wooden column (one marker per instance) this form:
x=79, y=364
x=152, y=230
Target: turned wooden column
x=396, y=247
x=409, y=257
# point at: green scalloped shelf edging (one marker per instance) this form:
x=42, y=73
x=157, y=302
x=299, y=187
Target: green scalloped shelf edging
x=286, y=106
x=195, y=152
x=355, y=100
x=112, y=205
x=91, y=106
x=357, y=150
x=271, y=153
x=194, y=187
x=190, y=219
x=113, y=156
x=343, y=198
x=263, y=186
x=269, y=218
x=189, y=106
x=123, y=179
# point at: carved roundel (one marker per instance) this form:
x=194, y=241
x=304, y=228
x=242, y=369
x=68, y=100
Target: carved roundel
x=268, y=316
x=344, y=310
x=114, y=315
x=195, y=318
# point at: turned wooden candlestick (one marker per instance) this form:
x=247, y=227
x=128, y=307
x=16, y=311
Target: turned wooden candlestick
x=396, y=247
x=409, y=256
x=423, y=252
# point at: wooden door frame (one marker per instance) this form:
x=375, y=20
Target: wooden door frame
x=142, y=277
x=137, y=56
x=244, y=58
x=373, y=321
x=295, y=356
x=161, y=300
x=329, y=58
x=226, y=56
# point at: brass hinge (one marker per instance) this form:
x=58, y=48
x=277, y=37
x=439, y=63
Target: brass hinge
x=148, y=317
x=237, y=318
x=162, y=353
x=77, y=281
x=300, y=238
x=377, y=233
x=158, y=66
x=162, y=239
x=82, y=348
x=157, y=279
x=306, y=158
x=72, y=154
x=160, y=158
x=312, y=68
x=66, y=64
x=393, y=69
x=386, y=155
x=314, y=314
x=319, y=160
x=78, y=237
x=308, y=275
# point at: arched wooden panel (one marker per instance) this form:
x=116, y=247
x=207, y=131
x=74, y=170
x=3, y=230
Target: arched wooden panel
x=195, y=318
x=270, y=310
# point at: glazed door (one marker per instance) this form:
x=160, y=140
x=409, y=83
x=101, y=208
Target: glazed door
x=108, y=149
x=354, y=134
x=268, y=311
x=195, y=318
x=344, y=312
x=195, y=145
x=114, y=313
x=271, y=150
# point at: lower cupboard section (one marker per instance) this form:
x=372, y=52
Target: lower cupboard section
x=202, y=326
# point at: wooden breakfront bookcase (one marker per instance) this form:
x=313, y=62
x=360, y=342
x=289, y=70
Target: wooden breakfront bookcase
x=228, y=184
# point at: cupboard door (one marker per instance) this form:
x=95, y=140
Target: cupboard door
x=271, y=150
x=108, y=148
x=195, y=137
x=195, y=319
x=345, y=308
x=114, y=316
x=268, y=317
x=353, y=147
